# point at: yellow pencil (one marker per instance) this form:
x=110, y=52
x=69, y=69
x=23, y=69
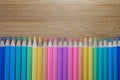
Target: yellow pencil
x=34, y=60
x=90, y=61
x=85, y=60
x=39, y=60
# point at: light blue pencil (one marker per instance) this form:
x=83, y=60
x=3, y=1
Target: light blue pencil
x=12, y=60
x=18, y=59
x=115, y=64
x=100, y=60
x=7, y=59
x=24, y=60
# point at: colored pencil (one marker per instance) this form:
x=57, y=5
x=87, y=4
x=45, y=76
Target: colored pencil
x=7, y=59
x=110, y=59
x=100, y=61
x=95, y=60
x=105, y=69
x=2, y=52
x=115, y=64
x=24, y=60
x=34, y=60
x=29, y=59
x=70, y=50
x=75, y=60
x=80, y=61
x=18, y=59
x=85, y=60
x=55, y=61
x=12, y=60
x=50, y=60
x=90, y=60
x=39, y=60
x=60, y=60
x=119, y=58
x=45, y=60
x=65, y=60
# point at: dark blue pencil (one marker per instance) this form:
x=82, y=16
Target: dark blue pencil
x=2, y=56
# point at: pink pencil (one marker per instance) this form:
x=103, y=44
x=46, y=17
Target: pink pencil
x=70, y=59
x=50, y=60
x=75, y=60
x=55, y=62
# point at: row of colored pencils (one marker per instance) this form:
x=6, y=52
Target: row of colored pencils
x=59, y=60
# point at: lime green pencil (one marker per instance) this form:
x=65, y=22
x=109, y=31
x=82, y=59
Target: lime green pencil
x=90, y=60
x=95, y=60
x=29, y=60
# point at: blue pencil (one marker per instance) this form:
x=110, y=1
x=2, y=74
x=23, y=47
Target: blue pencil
x=24, y=60
x=119, y=59
x=12, y=60
x=115, y=67
x=100, y=61
x=18, y=59
x=105, y=69
x=7, y=59
x=110, y=59
x=2, y=52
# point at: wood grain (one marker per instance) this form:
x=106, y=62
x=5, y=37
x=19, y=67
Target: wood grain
x=54, y=18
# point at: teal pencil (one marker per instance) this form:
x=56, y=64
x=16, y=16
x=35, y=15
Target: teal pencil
x=24, y=60
x=95, y=61
x=29, y=60
x=105, y=60
x=18, y=58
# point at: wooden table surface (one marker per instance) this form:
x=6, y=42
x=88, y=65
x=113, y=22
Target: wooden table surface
x=60, y=18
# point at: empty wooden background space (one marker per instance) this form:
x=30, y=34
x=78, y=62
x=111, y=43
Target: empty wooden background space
x=59, y=18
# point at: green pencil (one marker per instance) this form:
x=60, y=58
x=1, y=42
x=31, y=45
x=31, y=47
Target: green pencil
x=95, y=57
x=29, y=60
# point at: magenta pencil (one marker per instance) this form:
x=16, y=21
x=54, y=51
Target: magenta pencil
x=55, y=62
x=65, y=60
x=75, y=60
x=70, y=59
x=50, y=60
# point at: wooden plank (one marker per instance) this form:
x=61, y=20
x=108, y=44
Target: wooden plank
x=56, y=1
x=59, y=12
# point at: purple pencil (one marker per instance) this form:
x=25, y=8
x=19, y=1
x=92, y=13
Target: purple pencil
x=60, y=60
x=65, y=60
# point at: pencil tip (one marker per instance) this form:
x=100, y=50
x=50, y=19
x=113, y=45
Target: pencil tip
x=95, y=39
x=114, y=38
x=40, y=39
x=100, y=39
x=2, y=38
x=109, y=40
x=24, y=38
x=90, y=39
x=59, y=39
x=7, y=38
x=29, y=38
x=18, y=38
x=64, y=39
x=13, y=38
